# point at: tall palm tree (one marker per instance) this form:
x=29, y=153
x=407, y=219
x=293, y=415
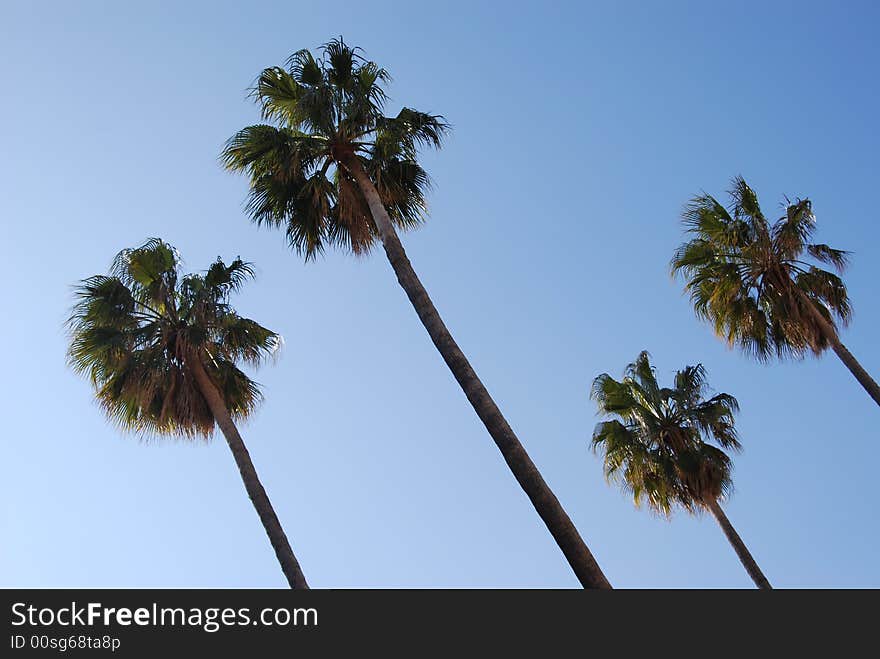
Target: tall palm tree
x=161, y=351
x=657, y=445
x=333, y=170
x=754, y=282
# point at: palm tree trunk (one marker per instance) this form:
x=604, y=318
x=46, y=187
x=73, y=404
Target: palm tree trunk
x=739, y=547
x=289, y=564
x=842, y=352
x=524, y=470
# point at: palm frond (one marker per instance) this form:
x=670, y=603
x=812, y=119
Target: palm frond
x=837, y=258
x=279, y=95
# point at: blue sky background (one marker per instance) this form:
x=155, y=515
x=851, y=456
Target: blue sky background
x=580, y=129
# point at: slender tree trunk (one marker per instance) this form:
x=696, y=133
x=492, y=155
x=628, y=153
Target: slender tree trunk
x=545, y=502
x=739, y=547
x=843, y=353
x=289, y=564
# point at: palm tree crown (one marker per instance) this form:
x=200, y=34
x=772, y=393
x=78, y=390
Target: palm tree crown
x=752, y=278
x=657, y=446
x=327, y=111
x=136, y=331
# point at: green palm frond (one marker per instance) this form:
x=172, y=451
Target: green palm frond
x=135, y=332
x=279, y=95
x=323, y=110
x=656, y=443
x=751, y=223
x=409, y=130
x=837, y=258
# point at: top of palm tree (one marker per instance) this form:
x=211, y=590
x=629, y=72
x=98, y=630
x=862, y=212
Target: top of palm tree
x=657, y=445
x=324, y=111
x=745, y=274
x=135, y=331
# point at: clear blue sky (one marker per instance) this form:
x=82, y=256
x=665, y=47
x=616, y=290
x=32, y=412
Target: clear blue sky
x=580, y=129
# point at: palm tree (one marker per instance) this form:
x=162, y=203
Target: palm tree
x=333, y=170
x=161, y=352
x=657, y=446
x=753, y=281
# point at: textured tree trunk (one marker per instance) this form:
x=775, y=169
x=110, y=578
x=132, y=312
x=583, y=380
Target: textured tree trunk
x=841, y=351
x=739, y=547
x=289, y=564
x=524, y=470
